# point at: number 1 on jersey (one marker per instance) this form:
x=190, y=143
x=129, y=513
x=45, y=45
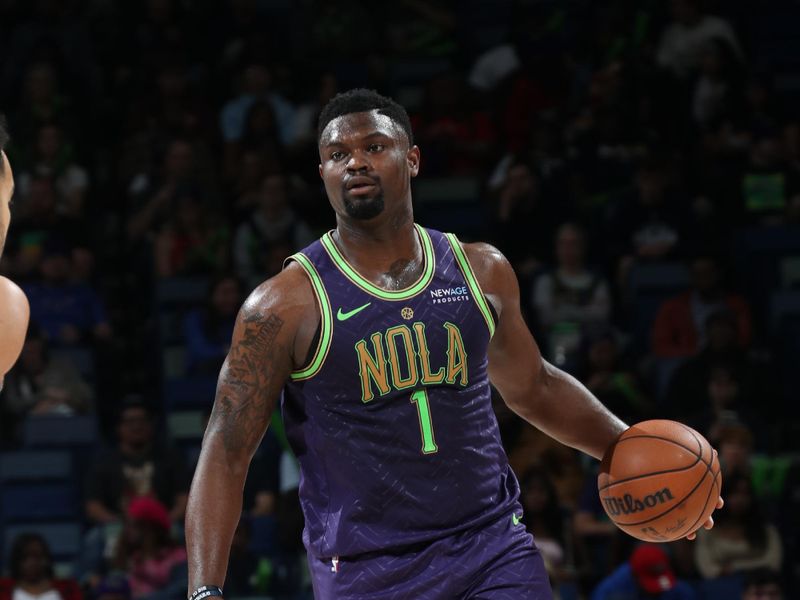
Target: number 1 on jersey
x=420, y=398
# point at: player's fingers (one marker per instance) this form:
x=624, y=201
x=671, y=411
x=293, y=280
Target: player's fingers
x=720, y=503
x=691, y=536
x=710, y=523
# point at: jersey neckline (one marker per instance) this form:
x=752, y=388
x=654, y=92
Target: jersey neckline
x=428, y=257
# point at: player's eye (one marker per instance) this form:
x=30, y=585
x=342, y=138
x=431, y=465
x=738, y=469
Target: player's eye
x=375, y=147
x=337, y=155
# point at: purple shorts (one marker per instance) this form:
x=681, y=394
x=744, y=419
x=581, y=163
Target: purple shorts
x=496, y=562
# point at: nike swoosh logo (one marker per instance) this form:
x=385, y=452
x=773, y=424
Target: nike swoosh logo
x=515, y=519
x=343, y=316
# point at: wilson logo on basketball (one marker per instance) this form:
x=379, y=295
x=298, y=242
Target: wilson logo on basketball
x=627, y=504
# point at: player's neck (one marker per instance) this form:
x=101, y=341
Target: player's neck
x=376, y=249
x=388, y=235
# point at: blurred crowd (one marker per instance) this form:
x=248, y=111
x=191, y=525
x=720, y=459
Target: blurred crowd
x=638, y=162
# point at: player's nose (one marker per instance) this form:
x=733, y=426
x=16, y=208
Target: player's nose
x=358, y=162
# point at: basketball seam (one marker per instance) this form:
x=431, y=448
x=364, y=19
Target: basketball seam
x=714, y=484
x=658, y=437
x=678, y=503
x=650, y=474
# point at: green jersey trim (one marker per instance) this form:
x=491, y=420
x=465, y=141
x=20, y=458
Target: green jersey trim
x=326, y=324
x=472, y=282
x=350, y=273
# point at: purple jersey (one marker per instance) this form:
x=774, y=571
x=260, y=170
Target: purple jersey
x=392, y=420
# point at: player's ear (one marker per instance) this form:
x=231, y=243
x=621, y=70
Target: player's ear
x=413, y=160
x=320, y=170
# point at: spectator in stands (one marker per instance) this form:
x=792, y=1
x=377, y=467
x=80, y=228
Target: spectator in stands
x=545, y=518
x=152, y=194
x=207, y=331
x=742, y=538
x=456, y=136
x=53, y=158
x=717, y=93
x=307, y=113
x=681, y=46
x=680, y=325
x=648, y=225
x=42, y=100
x=724, y=404
x=246, y=186
x=155, y=564
x=138, y=467
x=647, y=574
x=689, y=382
x=571, y=297
x=39, y=224
x=113, y=587
x=31, y=568
x=255, y=86
x=273, y=223
x=43, y=384
x=606, y=374
x=767, y=181
x=69, y=313
x=193, y=241
x=523, y=220
x=762, y=584
x=734, y=442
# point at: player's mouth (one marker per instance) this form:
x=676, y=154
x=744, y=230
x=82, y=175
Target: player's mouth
x=360, y=185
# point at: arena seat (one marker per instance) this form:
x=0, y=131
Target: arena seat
x=729, y=587
x=181, y=290
x=38, y=502
x=59, y=431
x=80, y=356
x=189, y=392
x=185, y=425
x=783, y=304
x=35, y=465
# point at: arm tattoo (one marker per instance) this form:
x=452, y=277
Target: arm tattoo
x=247, y=383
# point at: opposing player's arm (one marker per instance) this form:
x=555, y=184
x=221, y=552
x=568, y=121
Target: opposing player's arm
x=540, y=393
x=266, y=340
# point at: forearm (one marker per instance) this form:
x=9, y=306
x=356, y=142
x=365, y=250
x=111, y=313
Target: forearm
x=564, y=409
x=213, y=512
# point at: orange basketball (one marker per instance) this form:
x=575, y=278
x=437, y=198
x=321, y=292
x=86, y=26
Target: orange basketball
x=659, y=481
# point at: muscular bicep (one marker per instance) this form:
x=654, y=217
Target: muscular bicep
x=257, y=365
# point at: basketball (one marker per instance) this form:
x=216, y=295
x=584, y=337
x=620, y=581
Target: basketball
x=659, y=481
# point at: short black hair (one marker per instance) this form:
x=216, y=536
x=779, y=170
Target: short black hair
x=4, y=137
x=762, y=576
x=364, y=100
x=17, y=554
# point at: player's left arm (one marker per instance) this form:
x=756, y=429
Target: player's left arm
x=542, y=394
x=537, y=391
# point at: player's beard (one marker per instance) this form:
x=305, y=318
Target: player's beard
x=364, y=209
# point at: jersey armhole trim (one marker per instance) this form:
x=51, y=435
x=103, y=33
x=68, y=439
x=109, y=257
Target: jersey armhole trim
x=472, y=282
x=326, y=320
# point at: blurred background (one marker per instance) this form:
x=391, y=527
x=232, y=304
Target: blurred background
x=637, y=161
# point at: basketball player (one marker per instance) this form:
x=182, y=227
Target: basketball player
x=14, y=309
x=383, y=337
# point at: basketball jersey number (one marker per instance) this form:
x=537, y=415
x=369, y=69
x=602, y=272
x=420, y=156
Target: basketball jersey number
x=420, y=398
